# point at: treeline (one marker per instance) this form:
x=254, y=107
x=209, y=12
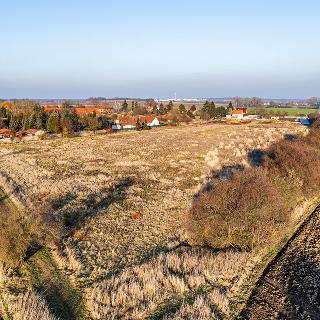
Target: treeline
x=22, y=115
x=64, y=121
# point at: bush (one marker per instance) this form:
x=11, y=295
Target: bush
x=244, y=212
x=300, y=157
x=253, y=208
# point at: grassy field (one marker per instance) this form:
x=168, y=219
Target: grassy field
x=122, y=200
x=291, y=111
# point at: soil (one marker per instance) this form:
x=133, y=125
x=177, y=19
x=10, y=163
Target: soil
x=290, y=286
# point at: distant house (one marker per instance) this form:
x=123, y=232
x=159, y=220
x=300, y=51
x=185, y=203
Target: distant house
x=127, y=123
x=51, y=109
x=239, y=113
x=87, y=111
x=80, y=111
x=152, y=121
x=124, y=123
x=32, y=132
x=5, y=132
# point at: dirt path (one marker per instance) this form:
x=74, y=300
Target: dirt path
x=290, y=287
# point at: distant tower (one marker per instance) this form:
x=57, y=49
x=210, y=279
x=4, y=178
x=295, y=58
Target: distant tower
x=175, y=96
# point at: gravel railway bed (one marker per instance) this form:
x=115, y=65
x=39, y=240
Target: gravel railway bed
x=290, y=287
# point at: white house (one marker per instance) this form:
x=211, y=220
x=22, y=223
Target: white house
x=126, y=123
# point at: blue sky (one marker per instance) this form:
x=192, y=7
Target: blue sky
x=140, y=48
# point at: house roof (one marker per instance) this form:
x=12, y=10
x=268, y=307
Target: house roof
x=125, y=121
x=105, y=106
x=238, y=111
x=148, y=118
x=84, y=111
x=79, y=111
x=5, y=131
x=32, y=131
x=50, y=109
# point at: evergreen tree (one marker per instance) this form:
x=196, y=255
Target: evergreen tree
x=220, y=112
x=138, y=124
x=145, y=124
x=208, y=110
x=16, y=123
x=170, y=106
x=25, y=123
x=41, y=119
x=182, y=108
x=124, y=107
x=53, y=123
x=162, y=109
x=193, y=108
x=32, y=121
x=155, y=109
x=230, y=107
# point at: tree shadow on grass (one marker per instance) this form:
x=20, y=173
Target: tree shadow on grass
x=95, y=202
x=255, y=158
x=225, y=173
x=290, y=137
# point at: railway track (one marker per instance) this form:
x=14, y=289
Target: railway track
x=289, y=288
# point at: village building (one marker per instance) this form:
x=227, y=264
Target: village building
x=127, y=123
x=239, y=113
x=81, y=112
x=5, y=133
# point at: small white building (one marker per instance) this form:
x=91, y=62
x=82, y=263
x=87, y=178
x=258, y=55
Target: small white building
x=127, y=123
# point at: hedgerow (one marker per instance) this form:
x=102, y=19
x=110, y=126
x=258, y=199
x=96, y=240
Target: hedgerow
x=253, y=208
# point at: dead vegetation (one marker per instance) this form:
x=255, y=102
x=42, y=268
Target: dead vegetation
x=253, y=208
x=26, y=306
x=137, y=292
x=119, y=202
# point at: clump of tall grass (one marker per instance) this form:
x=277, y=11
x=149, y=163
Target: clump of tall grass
x=201, y=308
x=138, y=291
x=18, y=233
x=27, y=306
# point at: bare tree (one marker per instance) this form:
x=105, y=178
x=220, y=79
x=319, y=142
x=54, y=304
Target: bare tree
x=117, y=106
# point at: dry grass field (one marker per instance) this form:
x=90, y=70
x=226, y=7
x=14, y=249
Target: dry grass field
x=123, y=198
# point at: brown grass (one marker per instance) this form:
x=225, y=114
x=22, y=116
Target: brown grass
x=27, y=306
x=137, y=292
x=119, y=200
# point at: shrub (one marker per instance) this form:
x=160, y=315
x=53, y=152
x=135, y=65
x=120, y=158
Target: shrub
x=301, y=157
x=244, y=212
x=253, y=208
